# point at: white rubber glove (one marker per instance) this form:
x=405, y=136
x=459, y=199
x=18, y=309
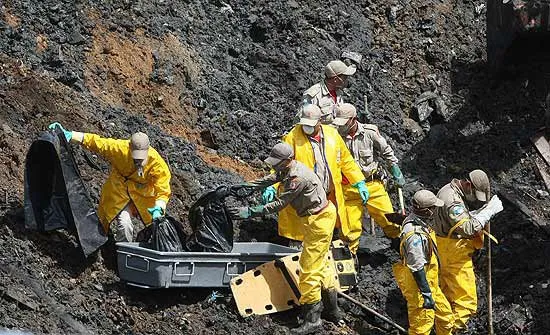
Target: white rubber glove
x=485, y=214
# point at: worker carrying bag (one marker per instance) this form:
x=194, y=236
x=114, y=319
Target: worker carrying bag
x=55, y=195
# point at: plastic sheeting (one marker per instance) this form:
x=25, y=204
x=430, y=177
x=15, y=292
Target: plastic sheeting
x=55, y=195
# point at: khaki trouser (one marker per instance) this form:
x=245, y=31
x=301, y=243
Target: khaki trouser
x=122, y=225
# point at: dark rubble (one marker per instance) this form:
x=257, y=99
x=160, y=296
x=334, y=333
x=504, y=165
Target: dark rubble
x=215, y=84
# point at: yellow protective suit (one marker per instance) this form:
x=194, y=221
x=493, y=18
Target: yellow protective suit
x=457, y=277
x=339, y=161
x=379, y=203
x=421, y=321
x=123, y=184
x=315, y=270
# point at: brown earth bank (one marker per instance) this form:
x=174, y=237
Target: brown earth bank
x=215, y=84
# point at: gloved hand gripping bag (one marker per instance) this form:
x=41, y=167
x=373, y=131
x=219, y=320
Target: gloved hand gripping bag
x=55, y=195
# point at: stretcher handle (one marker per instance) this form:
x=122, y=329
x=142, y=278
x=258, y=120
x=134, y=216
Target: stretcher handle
x=128, y=266
x=237, y=273
x=176, y=274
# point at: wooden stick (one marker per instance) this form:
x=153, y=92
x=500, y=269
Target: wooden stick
x=372, y=311
x=401, y=201
x=489, y=284
x=367, y=113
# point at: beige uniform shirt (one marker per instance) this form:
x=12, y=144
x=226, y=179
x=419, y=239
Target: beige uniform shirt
x=367, y=145
x=455, y=212
x=301, y=189
x=416, y=248
x=321, y=168
x=319, y=95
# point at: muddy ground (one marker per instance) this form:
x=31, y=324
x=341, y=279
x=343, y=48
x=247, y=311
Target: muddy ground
x=215, y=84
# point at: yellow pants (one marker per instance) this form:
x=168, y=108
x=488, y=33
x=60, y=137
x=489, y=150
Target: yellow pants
x=379, y=203
x=315, y=269
x=421, y=321
x=457, y=278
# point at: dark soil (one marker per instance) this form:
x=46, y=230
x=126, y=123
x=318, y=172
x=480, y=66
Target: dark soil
x=215, y=84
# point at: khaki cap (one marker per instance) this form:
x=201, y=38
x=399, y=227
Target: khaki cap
x=279, y=153
x=482, y=187
x=344, y=112
x=311, y=114
x=337, y=67
x=426, y=199
x=139, y=144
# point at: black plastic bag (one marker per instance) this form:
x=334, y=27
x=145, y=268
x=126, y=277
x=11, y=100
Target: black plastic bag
x=51, y=175
x=210, y=220
x=211, y=223
x=166, y=235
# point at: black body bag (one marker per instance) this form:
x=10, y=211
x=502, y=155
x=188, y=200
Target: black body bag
x=51, y=175
x=167, y=234
x=209, y=218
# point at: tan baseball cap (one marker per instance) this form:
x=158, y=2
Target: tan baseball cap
x=279, y=153
x=344, y=112
x=426, y=199
x=482, y=187
x=311, y=114
x=139, y=144
x=337, y=67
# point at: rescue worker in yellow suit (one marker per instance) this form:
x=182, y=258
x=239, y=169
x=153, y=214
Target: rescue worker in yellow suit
x=301, y=190
x=138, y=184
x=320, y=148
x=458, y=226
x=367, y=146
x=417, y=273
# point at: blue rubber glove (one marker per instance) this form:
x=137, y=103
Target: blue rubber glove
x=269, y=194
x=239, y=213
x=397, y=175
x=68, y=134
x=363, y=191
x=156, y=212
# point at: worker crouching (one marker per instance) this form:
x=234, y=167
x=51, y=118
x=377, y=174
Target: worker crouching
x=301, y=189
x=138, y=184
x=417, y=273
x=459, y=225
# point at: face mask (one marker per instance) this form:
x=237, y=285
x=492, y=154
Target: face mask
x=308, y=130
x=425, y=213
x=344, y=130
x=475, y=204
x=472, y=201
x=342, y=82
x=138, y=163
